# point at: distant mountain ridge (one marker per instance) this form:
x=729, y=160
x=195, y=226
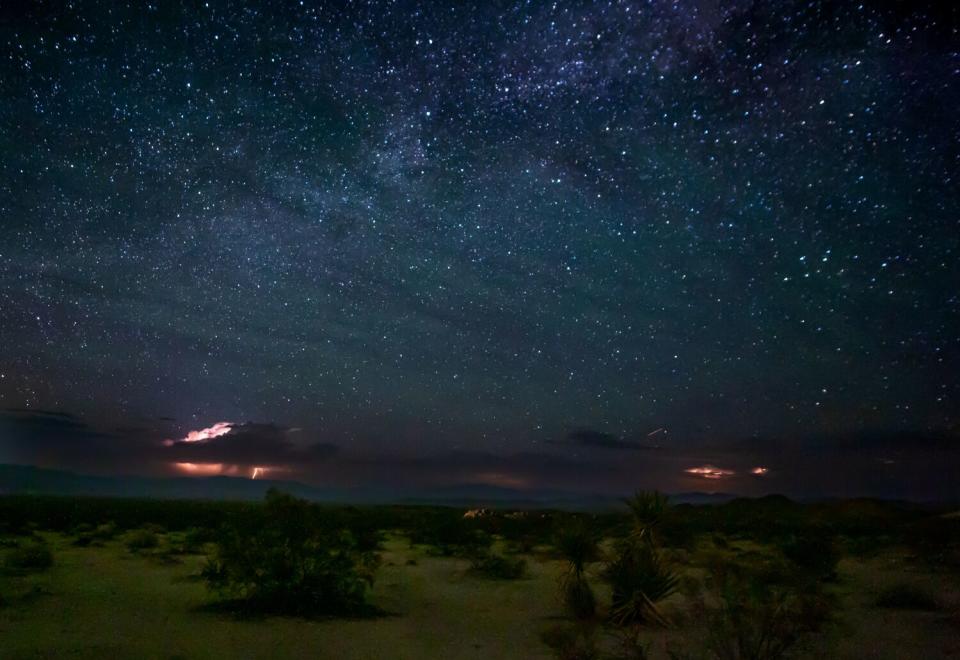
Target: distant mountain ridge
x=23, y=479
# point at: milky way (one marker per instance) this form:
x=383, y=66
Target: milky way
x=485, y=227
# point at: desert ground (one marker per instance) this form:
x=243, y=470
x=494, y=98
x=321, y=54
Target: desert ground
x=107, y=599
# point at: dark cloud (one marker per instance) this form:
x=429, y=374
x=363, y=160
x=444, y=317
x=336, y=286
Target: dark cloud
x=601, y=440
x=252, y=444
x=62, y=439
x=57, y=439
x=919, y=464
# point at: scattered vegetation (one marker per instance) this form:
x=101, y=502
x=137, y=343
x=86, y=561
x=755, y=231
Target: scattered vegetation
x=750, y=579
x=499, y=567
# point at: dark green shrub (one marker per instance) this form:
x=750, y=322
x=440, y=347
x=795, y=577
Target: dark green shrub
x=572, y=642
x=499, y=567
x=84, y=540
x=29, y=557
x=141, y=539
x=191, y=542
x=105, y=532
x=815, y=555
x=451, y=537
x=579, y=599
x=756, y=624
x=280, y=560
x=755, y=618
x=87, y=535
x=907, y=597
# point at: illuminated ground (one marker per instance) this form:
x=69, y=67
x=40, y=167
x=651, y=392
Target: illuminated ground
x=107, y=603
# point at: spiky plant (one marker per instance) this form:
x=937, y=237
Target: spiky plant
x=649, y=510
x=578, y=545
x=639, y=579
x=637, y=573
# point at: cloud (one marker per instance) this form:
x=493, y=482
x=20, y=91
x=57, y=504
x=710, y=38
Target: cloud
x=248, y=445
x=710, y=472
x=57, y=439
x=45, y=437
x=591, y=438
x=915, y=465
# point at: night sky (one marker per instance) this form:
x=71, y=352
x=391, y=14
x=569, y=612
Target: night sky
x=583, y=245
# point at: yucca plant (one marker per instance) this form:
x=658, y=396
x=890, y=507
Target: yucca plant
x=636, y=572
x=577, y=543
x=649, y=510
x=639, y=579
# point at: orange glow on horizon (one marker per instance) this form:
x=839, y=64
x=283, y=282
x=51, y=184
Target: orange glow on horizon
x=502, y=480
x=200, y=469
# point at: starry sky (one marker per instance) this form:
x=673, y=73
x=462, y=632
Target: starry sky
x=585, y=245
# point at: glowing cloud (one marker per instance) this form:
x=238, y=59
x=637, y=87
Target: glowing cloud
x=257, y=472
x=215, y=431
x=710, y=472
x=759, y=471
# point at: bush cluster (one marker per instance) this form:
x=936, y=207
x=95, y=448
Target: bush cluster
x=141, y=539
x=499, y=567
x=32, y=556
x=281, y=561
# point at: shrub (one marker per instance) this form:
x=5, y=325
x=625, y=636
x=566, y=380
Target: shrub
x=190, y=542
x=83, y=540
x=755, y=619
x=452, y=537
x=907, y=597
x=499, y=567
x=578, y=598
x=815, y=555
x=280, y=560
x=141, y=539
x=106, y=531
x=30, y=557
x=572, y=642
